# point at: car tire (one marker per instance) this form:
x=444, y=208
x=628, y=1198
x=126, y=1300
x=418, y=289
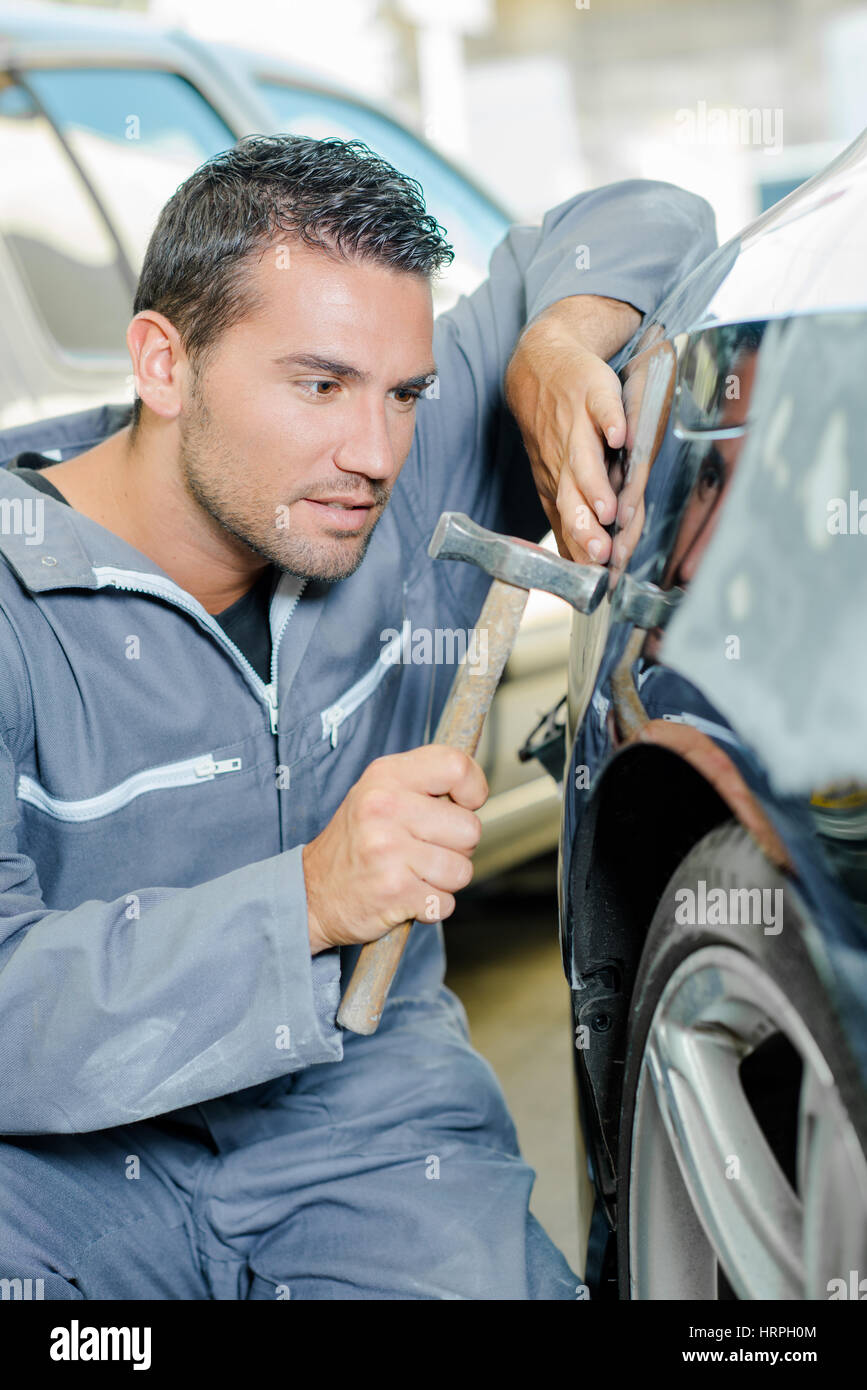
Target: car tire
x=742, y=1170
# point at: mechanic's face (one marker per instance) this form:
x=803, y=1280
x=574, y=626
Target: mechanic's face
x=706, y=501
x=295, y=429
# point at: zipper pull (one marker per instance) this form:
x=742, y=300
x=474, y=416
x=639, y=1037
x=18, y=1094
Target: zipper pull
x=335, y=718
x=208, y=767
x=271, y=697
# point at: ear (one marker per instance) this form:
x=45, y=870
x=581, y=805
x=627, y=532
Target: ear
x=159, y=362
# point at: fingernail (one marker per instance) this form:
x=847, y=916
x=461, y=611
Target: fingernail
x=627, y=516
x=600, y=504
x=594, y=549
x=611, y=435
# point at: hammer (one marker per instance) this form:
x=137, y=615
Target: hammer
x=516, y=566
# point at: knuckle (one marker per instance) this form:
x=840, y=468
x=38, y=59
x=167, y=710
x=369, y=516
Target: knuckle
x=375, y=841
x=457, y=764
x=394, y=882
x=475, y=828
x=453, y=870
x=465, y=872
x=377, y=803
x=603, y=401
x=565, y=486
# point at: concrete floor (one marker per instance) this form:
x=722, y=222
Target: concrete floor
x=504, y=964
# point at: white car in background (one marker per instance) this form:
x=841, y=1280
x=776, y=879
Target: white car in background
x=102, y=115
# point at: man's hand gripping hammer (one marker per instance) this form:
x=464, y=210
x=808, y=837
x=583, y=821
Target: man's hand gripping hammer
x=517, y=566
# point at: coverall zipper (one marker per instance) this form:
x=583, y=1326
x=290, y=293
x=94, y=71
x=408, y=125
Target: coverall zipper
x=348, y=703
x=181, y=774
x=108, y=576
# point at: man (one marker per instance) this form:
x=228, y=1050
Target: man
x=213, y=790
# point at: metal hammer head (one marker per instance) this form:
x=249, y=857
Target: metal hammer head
x=518, y=562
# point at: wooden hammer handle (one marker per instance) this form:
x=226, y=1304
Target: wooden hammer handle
x=459, y=727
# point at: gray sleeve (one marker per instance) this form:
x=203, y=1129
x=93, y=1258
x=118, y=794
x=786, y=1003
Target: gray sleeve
x=112, y=1012
x=633, y=241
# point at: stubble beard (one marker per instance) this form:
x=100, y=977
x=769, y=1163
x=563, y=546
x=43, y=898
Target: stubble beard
x=207, y=470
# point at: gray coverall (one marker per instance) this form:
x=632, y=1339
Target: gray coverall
x=183, y=1117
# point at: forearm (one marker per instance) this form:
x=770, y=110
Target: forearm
x=588, y=321
x=206, y=990
x=602, y=325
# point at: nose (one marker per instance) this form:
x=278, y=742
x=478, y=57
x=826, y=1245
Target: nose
x=367, y=446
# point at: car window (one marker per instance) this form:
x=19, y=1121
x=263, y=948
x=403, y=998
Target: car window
x=474, y=224
x=50, y=225
x=709, y=381
x=137, y=133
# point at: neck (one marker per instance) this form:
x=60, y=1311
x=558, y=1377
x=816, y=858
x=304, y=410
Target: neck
x=134, y=489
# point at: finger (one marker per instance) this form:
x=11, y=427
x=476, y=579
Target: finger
x=632, y=491
x=587, y=465
x=556, y=525
x=605, y=408
x=439, y=821
x=437, y=771
x=433, y=904
x=586, y=538
x=444, y=870
x=626, y=540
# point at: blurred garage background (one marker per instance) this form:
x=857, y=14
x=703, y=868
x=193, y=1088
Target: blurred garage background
x=501, y=109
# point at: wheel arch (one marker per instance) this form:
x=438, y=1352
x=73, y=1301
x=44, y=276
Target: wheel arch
x=659, y=795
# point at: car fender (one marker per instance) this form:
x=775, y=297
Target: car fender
x=653, y=800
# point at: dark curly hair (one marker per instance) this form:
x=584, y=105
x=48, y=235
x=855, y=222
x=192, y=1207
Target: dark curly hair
x=333, y=194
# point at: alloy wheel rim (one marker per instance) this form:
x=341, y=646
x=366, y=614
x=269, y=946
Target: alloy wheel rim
x=707, y=1194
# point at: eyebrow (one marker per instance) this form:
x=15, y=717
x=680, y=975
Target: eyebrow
x=346, y=372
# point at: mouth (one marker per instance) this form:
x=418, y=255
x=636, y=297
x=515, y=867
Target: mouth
x=341, y=513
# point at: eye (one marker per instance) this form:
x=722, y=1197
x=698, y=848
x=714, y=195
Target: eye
x=406, y=395
x=321, y=389
x=711, y=475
